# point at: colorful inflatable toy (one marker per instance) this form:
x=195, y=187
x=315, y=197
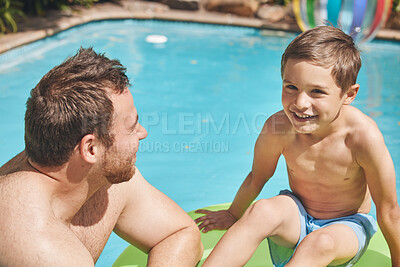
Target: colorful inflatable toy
x=377, y=254
x=362, y=19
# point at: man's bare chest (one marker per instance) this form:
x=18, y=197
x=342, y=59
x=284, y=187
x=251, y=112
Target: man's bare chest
x=93, y=237
x=95, y=221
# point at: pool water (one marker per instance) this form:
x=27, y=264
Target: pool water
x=203, y=96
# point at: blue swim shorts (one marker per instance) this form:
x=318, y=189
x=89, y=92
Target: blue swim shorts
x=363, y=225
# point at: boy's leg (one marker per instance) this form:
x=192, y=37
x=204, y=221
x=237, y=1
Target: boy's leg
x=277, y=216
x=334, y=244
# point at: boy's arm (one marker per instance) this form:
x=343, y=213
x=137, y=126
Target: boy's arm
x=267, y=151
x=378, y=168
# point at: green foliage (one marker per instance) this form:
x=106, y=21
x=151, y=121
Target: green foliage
x=10, y=11
x=86, y=3
x=39, y=7
x=279, y=2
x=396, y=6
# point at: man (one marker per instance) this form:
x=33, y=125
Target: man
x=76, y=180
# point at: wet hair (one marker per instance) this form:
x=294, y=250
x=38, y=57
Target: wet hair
x=327, y=46
x=71, y=101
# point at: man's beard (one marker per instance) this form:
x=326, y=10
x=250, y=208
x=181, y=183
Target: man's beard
x=118, y=169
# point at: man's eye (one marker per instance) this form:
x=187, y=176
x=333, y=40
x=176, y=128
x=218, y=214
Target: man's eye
x=291, y=87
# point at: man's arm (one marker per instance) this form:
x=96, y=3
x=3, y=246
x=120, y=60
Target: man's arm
x=378, y=168
x=154, y=223
x=268, y=148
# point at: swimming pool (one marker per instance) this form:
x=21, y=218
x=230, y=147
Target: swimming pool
x=203, y=97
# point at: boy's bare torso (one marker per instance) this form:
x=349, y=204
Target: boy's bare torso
x=28, y=216
x=323, y=172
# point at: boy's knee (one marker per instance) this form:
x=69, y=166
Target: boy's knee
x=320, y=243
x=263, y=210
x=261, y=207
x=317, y=249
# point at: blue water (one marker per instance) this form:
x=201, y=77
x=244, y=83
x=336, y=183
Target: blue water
x=203, y=97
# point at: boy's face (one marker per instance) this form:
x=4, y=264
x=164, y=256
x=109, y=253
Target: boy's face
x=310, y=97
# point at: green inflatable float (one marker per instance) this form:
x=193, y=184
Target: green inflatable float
x=376, y=255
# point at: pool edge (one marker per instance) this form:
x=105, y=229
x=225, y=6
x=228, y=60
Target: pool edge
x=60, y=21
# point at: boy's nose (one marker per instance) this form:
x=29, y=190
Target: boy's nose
x=302, y=101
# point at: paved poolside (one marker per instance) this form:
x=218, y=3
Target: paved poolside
x=40, y=27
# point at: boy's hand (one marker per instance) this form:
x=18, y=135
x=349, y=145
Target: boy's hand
x=215, y=220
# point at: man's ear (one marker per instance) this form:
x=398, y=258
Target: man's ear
x=351, y=94
x=89, y=148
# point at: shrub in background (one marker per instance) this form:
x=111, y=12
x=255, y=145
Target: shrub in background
x=39, y=7
x=13, y=10
x=10, y=11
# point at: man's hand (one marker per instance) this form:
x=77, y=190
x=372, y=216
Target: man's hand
x=215, y=220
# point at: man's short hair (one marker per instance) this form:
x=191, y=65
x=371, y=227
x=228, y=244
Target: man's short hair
x=71, y=101
x=327, y=46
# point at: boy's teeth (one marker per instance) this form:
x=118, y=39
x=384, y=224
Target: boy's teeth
x=303, y=116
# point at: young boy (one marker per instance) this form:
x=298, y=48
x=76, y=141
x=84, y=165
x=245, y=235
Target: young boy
x=336, y=160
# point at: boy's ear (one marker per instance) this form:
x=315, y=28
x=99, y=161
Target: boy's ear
x=89, y=149
x=351, y=94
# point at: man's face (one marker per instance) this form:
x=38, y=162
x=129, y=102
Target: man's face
x=310, y=97
x=119, y=160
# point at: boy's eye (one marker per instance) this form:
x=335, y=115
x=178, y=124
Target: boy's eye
x=318, y=91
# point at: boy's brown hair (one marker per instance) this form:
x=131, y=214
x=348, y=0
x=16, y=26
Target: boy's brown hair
x=327, y=46
x=71, y=101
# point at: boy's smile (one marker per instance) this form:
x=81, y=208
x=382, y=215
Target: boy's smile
x=310, y=97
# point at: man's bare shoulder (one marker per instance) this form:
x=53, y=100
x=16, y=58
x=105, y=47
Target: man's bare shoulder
x=22, y=187
x=19, y=187
x=31, y=234
x=23, y=202
x=14, y=165
x=44, y=243
x=29, y=228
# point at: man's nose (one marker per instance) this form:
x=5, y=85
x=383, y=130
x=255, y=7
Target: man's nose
x=142, y=132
